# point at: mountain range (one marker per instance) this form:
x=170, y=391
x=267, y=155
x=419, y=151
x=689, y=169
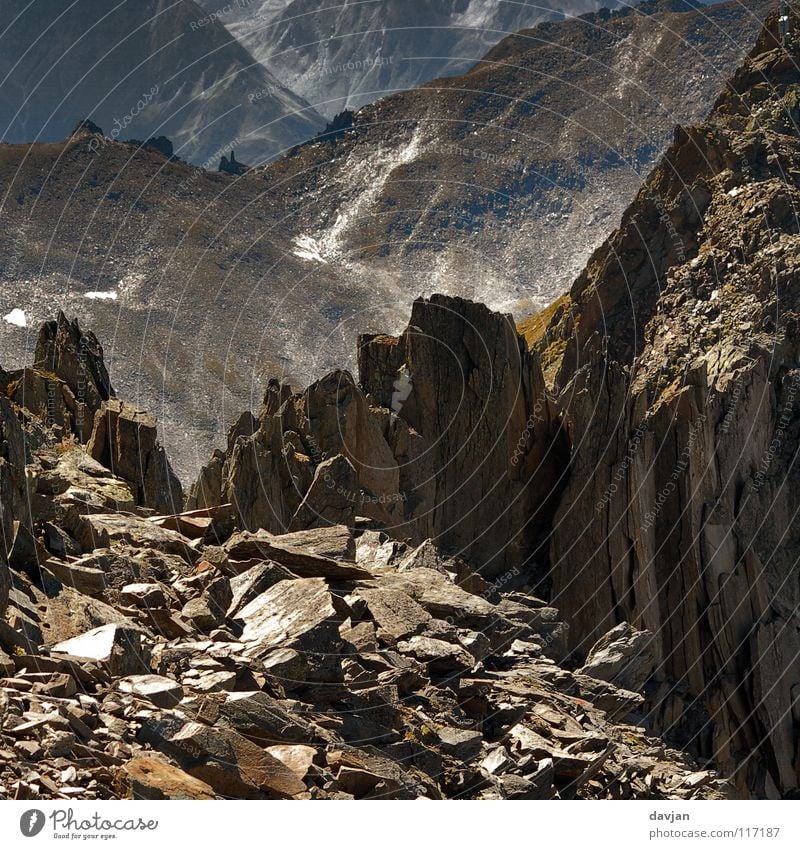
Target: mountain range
x=142, y=69
x=551, y=559
x=496, y=186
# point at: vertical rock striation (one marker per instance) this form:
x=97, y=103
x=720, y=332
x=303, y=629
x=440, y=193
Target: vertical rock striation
x=676, y=359
x=450, y=435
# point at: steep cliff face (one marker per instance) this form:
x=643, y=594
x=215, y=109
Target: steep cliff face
x=450, y=435
x=677, y=361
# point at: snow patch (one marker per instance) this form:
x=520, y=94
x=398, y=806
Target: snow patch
x=100, y=296
x=308, y=248
x=16, y=317
x=373, y=171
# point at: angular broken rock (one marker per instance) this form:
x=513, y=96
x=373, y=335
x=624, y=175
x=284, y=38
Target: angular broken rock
x=460, y=743
x=297, y=758
x=143, y=595
x=333, y=541
x=623, y=656
x=150, y=778
x=332, y=497
x=118, y=647
x=258, y=717
x=84, y=579
x=262, y=545
x=125, y=440
x=254, y=581
x=396, y=614
x=297, y=614
x=162, y=692
x=232, y=765
x=107, y=529
x=443, y=658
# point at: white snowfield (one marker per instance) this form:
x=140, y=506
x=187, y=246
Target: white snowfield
x=16, y=317
x=100, y=296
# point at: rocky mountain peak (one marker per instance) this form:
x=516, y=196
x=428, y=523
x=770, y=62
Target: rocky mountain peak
x=197, y=655
x=674, y=358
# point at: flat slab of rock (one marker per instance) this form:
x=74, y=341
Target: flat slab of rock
x=117, y=646
x=335, y=542
x=297, y=758
x=231, y=764
x=460, y=743
x=162, y=692
x=297, y=613
x=304, y=564
x=150, y=778
x=624, y=657
x=84, y=579
x=104, y=530
x=396, y=614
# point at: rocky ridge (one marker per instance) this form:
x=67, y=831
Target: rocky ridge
x=182, y=656
x=494, y=186
x=675, y=360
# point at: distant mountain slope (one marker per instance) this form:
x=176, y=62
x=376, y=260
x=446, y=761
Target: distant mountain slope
x=504, y=179
x=494, y=186
x=341, y=55
x=140, y=68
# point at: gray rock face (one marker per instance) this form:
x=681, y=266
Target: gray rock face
x=472, y=455
x=77, y=359
x=623, y=656
x=125, y=440
x=678, y=515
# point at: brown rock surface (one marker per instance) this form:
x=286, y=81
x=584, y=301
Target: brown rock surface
x=675, y=358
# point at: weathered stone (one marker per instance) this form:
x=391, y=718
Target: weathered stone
x=296, y=614
x=254, y=581
x=332, y=497
x=113, y=529
x=258, y=717
x=335, y=542
x=143, y=595
x=460, y=743
x=623, y=656
x=296, y=758
x=288, y=666
x=26, y=552
x=162, y=692
x=125, y=440
x=149, y=778
x=442, y=658
x=82, y=578
x=231, y=764
x=264, y=546
x=79, y=480
x=396, y=614
x=120, y=648
x=76, y=358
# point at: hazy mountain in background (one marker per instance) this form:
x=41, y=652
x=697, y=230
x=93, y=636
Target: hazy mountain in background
x=141, y=68
x=346, y=54
x=495, y=186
